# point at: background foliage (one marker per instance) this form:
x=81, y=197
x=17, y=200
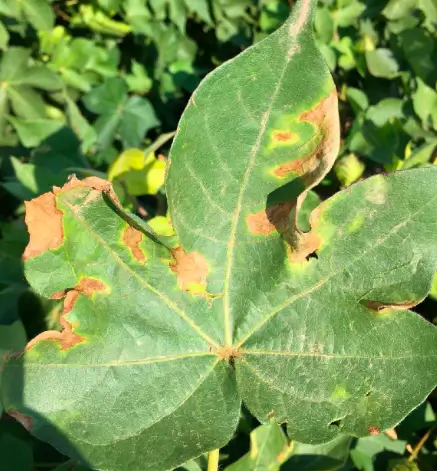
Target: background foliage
x=96, y=87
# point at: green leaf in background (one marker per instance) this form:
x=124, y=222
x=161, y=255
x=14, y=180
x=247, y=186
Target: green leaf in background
x=18, y=77
x=269, y=448
x=425, y=104
x=33, y=180
x=37, y=12
x=326, y=457
x=418, y=47
x=397, y=9
x=386, y=111
x=421, y=155
x=382, y=63
x=366, y=450
x=357, y=99
x=161, y=225
x=142, y=174
x=130, y=118
x=139, y=81
x=33, y=131
x=4, y=36
x=84, y=131
x=12, y=340
x=349, y=169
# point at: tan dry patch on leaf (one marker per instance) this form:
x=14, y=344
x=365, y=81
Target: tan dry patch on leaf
x=67, y=338
x=228, y=352
x=302, y=244
x=321, y=112
x=189, y=267
x=44, y=224
x=308, y=244
x=131, y=238
x=58, y=295
x=384, y=307
x=271, y=219
x=283, y=136
x=25, y=420
x=301, y=166
x=373, y=430
x=88, y=286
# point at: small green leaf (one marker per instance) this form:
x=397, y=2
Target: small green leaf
x=201, y=8
x=349, y=169
x=357, y=99
x=324, y=25
x=385, y=111
x=382, y=63
x=32, y=132
x=366, y=450
x=422, y=155
x=143, y=175
x=131, y=118
x=161, y=225
x=39, y=13
x=269, y=448
x=12, y=340
x=84, y=131
x=326, y=457
x=425, y=104
x=397, y=9
x=138, y=117
x=418, y=47
x=138, y=81
x=4, y=36
x=107, y=97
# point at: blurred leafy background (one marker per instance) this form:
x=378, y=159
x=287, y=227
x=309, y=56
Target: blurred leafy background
x=96, y=87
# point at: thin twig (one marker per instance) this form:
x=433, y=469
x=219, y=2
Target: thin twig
x=61, y=13
x=419, y=445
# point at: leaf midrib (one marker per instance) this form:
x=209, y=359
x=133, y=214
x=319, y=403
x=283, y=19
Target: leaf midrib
x=143, y=361
x=239, y=206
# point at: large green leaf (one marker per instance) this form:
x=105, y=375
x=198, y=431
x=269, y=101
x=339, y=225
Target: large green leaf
x=161, y=338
